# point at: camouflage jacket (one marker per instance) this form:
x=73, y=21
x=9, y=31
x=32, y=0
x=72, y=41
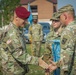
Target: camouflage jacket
x=49, y=42
x=53, y=36
x=68, y=43
x=12, y=52
x=36, y=32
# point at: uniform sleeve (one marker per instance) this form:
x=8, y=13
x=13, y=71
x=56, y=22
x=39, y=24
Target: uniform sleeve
x=41, y=33
x=67, y=49
x=17, y=50
x=49, y=38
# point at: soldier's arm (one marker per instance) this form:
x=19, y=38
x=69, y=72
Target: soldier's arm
x=16, y=49
x=41, y=34
x=67, y=49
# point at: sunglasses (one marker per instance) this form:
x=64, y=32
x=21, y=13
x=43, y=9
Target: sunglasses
x=55, y=20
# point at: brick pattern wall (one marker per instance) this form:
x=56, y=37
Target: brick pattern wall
x=45, y=9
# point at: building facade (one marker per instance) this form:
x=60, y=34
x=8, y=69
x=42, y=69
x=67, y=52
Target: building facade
x=42, y=9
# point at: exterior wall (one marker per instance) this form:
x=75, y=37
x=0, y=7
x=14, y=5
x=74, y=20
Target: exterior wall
x=45, y=9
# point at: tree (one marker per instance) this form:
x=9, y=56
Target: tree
x=6, y=8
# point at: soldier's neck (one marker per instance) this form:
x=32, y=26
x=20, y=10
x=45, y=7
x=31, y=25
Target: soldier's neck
x=58, y=30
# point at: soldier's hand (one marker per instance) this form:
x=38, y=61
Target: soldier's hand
x=43, y=64
x=52, y=66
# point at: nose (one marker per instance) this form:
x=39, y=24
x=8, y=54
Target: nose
x=26, y=21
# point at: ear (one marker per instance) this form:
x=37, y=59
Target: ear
x=16, y=18
x=65, y=16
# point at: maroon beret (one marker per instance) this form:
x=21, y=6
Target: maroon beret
x=22, y=12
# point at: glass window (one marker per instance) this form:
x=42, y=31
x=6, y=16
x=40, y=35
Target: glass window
x=34, y=8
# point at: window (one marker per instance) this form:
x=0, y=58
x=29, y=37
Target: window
x=35, y=16
x=54, y=8
x=34, y=8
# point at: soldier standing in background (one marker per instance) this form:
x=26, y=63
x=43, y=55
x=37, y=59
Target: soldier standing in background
x=13, y=55
x=67, y=62
x=35, y=31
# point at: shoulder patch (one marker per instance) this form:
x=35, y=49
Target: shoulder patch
x=64, y=40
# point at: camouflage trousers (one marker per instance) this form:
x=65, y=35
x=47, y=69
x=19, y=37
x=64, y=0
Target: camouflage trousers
x=36, y=48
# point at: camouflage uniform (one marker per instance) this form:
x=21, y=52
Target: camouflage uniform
x=36, y=33
x=68, y=40
x=13, y=55
x=67, y=62
x=52, y=35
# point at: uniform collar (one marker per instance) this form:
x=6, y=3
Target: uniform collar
x=71, y=23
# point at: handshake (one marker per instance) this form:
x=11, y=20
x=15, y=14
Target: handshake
x=48, y=67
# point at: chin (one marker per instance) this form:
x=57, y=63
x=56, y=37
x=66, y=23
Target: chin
x=22, y=25
x=55, y=27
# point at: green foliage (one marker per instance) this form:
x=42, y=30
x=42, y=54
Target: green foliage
x=6, y=8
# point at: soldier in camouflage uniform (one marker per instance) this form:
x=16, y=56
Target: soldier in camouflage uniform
x=67, y=62
x=54, y=34
x=35, y=30
x=13, y=55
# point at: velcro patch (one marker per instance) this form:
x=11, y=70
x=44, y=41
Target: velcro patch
x=64, y=40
